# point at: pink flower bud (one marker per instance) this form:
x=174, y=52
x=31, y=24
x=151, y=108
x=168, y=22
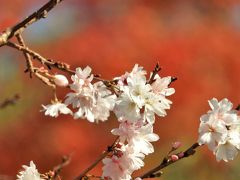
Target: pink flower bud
x=174, y=157
x=181, y=154
x=176, y=145
x=60, y=80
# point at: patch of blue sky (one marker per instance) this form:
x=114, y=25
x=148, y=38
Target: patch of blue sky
x=61, y=21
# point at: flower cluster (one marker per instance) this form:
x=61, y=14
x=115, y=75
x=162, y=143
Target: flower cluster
x=135, y=109
x=135, y=101
x=220, y=130
x=132, y=98
x=29, y=173
x=93, y=101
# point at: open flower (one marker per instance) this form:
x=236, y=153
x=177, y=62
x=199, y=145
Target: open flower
x=220, y=130
x=29, y=173
x=96, y=106
x=139, y=99
x=55, y=109
x=122, y=166
x=212, y=132
x=94, y=101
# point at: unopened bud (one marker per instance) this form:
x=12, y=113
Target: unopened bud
x=60, y=80
x=174, y=157
x=118, y=145
x=51, y=173
x=176, y=145
x=181, y=154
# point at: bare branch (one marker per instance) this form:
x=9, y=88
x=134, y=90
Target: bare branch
x=100, y=158
x=26, y=55
x=238, y=108
x=48, y=62
x=166, y=162
x=10, y=101
x=57, y=169
x=34, y=17
x=154, y=73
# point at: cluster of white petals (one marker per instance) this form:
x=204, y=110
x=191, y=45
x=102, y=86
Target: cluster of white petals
x=55, y=109
x=29, y=173
x=135, y=109
x=136, y=100
x=122, y=166
x=220, y=130
x=93, y=101
x=139, y=99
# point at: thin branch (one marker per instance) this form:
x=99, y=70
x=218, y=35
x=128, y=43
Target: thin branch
x=57, y=169
x=57, y=65
x=238, y=108
x=9, y=101
x=154, y=73
x=48, y=62
x=99, y=159
x=166, y=162
x=26, y=55
x=173, y=79
x=20, y=27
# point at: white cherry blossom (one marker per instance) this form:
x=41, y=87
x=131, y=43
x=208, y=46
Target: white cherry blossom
x=94, y=101
x=228, y=148
x=114, y=169
x=141, y=99
x=55, y=109
x=121, y=167
x=138, y=136
x=212, y=132
x=29, y=173
x=220, y=130
x=222, y=111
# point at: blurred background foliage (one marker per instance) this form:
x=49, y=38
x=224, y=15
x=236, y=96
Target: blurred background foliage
x=196, y=41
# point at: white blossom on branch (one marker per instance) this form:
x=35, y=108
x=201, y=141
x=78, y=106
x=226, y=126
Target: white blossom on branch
x=220, y=130
x=29, y=173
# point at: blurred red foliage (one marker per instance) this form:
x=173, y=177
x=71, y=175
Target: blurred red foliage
x=198, y=42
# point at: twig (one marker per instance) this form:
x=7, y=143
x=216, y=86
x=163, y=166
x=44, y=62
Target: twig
x=26, y=55
x=238, y=108
x=154, y=73
x=166, y=162
x=53, y=64
x=100, y=158
x=57, y=169
x=173, y=79
x=10, y=101
x=19, y=27
x=48, y=62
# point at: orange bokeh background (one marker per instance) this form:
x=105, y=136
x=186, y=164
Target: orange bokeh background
x=196, y=41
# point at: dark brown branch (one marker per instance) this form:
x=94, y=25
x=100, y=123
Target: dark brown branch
x=173, y=79
x=166, y=162
x=238, y=108
x=26, y=55
x=53, y=64
x=99, y=159
x=19, y=27
x=10, y=101
x=48, y=62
